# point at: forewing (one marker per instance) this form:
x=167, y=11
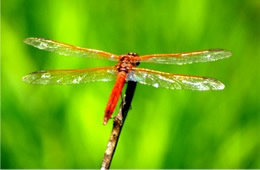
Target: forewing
x=188, y=57
x=71, y=76
x=174, y=81
x=67, y=50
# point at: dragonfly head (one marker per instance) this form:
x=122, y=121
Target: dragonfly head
x=134, y=55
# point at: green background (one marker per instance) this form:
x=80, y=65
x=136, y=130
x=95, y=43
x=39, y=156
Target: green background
x=61, y=126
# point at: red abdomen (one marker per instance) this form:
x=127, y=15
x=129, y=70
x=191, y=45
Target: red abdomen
x=114, y=96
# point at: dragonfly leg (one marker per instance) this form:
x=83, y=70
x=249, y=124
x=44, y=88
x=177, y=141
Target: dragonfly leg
x=123, y=100
x=118, y=116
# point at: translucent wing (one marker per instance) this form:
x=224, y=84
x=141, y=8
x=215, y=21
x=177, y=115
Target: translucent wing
x=66, y=49
x=71, y=76
x=188, y=57
x=173, y=81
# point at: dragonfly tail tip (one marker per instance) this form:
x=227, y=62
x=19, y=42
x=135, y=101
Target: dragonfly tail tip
x=105, y=121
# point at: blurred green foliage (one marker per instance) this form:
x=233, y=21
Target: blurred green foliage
x=61, y=126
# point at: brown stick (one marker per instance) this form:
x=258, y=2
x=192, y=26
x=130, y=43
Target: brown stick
x=118, y=125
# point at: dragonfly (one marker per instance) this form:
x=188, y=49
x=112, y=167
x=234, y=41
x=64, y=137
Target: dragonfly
x=125, y=70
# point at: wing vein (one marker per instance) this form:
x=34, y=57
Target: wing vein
x=70, y=76
x=187, y=57
x=174, y=81
x=67, y=49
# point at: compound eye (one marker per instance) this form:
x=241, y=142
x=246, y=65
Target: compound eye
x=132, y=54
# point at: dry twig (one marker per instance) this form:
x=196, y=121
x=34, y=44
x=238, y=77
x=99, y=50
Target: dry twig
x=118, y=125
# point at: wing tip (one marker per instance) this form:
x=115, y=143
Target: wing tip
x=210, y=84
x=225, y=53
x=221, y=86
x=26, y=79
x=33, y=41
x=218, y=85
x=36, y=42
x=28, y=40
x=31, y=78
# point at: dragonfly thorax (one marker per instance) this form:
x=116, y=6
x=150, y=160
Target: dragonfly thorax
x=127, y=62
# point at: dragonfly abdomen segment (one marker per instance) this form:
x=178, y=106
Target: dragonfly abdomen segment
x=114, y=96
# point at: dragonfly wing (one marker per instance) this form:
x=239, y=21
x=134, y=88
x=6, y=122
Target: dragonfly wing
x=173, y=81
x=66, y=49
x=188, y=57
x=71, y=76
